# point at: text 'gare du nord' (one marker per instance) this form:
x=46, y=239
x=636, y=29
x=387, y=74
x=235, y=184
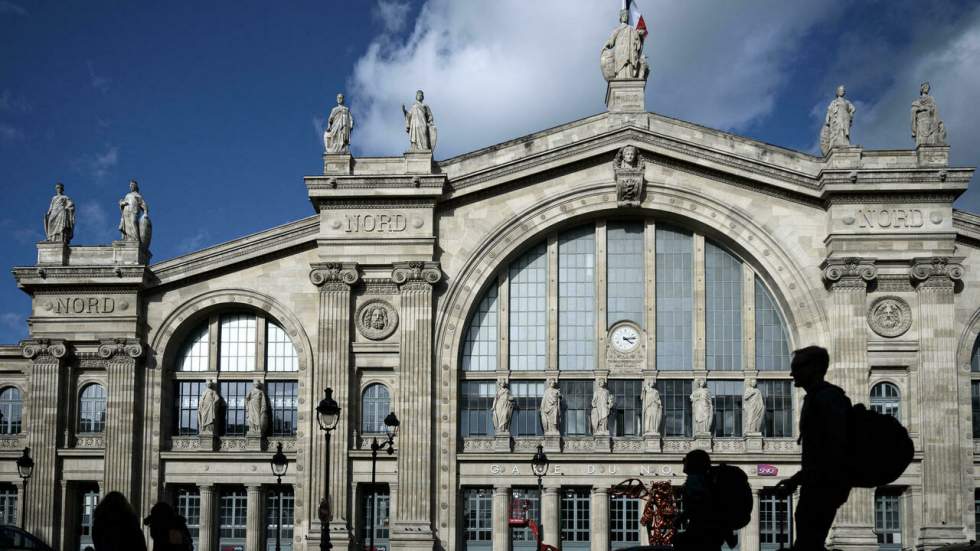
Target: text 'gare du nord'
x=618, y=290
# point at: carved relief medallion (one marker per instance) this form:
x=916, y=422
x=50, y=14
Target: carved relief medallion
x=376, y=319
x=890, y=316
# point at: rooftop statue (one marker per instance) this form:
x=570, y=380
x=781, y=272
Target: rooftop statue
x=927, y=128
x=836, y=130
x=59, y=222
x=336, y=139
x=134, y=219
x=420, y=125
x=622, y=55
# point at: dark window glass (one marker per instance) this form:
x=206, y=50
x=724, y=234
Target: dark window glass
x=526, y=420
x=628, y=410
x=576, y=406
x=10, y=407
x=727, y=399
x=888, y=519
x=375, y=406
x=773, y=510
x=624, y=521
x=975, y=357
x=188, y=397
x=885, y=399
x=676, y=397
x=975, y=401
x=476, y=401
x=276, y=517
x=8, y=504
x=524, y=503
x=89, y=501
x=233, y=509
x=283, y=398
x=91, y=409
x=575, y=515
x=477, y=515
x=378, y=500
x=234, y=394
x=778, y=420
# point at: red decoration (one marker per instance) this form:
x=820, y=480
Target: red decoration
x=660, y=509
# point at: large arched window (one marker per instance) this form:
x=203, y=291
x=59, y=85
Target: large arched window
x=10, y=407
x=886, y=399
x=375, y=405
x=91, y=409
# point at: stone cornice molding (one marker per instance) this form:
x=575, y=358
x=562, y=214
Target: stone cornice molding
x=416, y=272
x=849, y=272
x=334, y=274
x=120, y=348
x=936, y=271
x=44, y=350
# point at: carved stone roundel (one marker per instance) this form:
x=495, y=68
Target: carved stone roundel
x=890, y=316
x=376, y=319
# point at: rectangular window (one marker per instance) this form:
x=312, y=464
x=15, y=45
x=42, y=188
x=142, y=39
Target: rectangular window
x=237, y=351
x=778, y=419
x=280, y=352
x=976, y=514
x=625, y=274
x=379, y=501
x=232, y=513
x=576, y=299
x=89, y=501
x=888, y=519
x=626, y=417
x=723, y=303
x=675, y=300
x=675, y=394
x=234, y=394
x=8, y=504
x=525, y=503
x=276, y=517
x=188, y=396
x=283, y=398
x=476, y=401
x=624, y=521
x=774, y=521
x=477, y=517
x=480, y=343
x=576, y=406
x=575, y=516
x=727, y=399
x=771, y=344
x=527, y=401
x=528, y=312
x=189, y=507
x=975, y=401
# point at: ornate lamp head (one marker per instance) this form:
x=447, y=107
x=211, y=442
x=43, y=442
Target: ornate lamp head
x=328, y=411
x=279, y=462
x=391, y=426
x=25, y=465
x=539, y=463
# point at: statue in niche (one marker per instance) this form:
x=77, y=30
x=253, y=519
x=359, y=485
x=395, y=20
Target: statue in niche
x=753, y=408
x=256, y=410
x=550, y=405
x=836, y=130
x=653, y=410
x=602, y=406
x=503, y=407
x=420, y=125
x=927, y=129
x=629, y=168
x=340, y=123
x=622, y=55
x=702, y=408
x=208, y=408
x=134, y=220
x=59, y=222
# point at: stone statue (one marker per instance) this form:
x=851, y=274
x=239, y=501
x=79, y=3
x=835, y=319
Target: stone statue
x=653, y=410
x=134, y=220
x=836, y=130
x=256, y=410
x=336, y=139
x=702, y=408
x=503, y=407
x=927, y=129
x=420, y=125
x=602, y=406
x=59, y=222
x=550, y=404
x=622, y=54
x=208, y=408
x=753, y=408
x=628, y=168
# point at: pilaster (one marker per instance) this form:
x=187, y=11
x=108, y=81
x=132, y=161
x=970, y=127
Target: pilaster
x=412, y=528
x=749, y=538
x=549, y=516
x=206, y=534
x=121, y=449
x=333, y=370
x=600, y=519
x=253, y=518
x=500, y=539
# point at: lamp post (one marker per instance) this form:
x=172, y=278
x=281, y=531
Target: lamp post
x=539, y=465
x=279, y=466
x=391, y=430
x=25, y=467
x=327, y=416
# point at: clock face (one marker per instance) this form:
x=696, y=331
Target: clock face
x=625, y=338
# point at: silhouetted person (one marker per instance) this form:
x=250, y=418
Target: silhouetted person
x=823, y=435
x=704, y=528
x=168, y=529
x=115, y=525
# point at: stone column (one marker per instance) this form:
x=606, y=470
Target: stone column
x=499, y=513
x=549, y=516
x=848, y=281
x=600, y=519
x=749, y=538
x=412, y=527
x=941, y=515
x=206, y=534
x=253, y=519
x=121, y=451
x=333, y=371
x=45, y=398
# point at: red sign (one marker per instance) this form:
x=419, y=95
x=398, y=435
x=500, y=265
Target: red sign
x=767, y=470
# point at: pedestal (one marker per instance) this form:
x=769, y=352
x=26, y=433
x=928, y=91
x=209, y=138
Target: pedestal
x=603, y=443
x=652, y=442
x=337, y=163
x=702, y=441
x=626, y=95
x=552, y=443
x=209, y=442
x=753, y=442
x=128, y=253
x=418, y=162
x=844, y=157
x=501, y=443
x=932, y=155
x=52, y=253
x=253, y=443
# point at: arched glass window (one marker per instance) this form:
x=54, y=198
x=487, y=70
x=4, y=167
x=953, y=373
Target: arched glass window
x=10, y=406
x=194, y=356
x=375, y=405
x=480, y=344
x=771, y=343
x=975, y=357
x=528, y=319
x=91, y=409
x=723, y=300
x=885, y=399
x=280, y=352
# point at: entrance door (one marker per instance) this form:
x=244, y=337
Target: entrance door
x=477, y=519
x=376, y=501
x=772, y=510
x=576, y=519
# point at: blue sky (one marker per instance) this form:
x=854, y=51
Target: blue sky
x=217, y=107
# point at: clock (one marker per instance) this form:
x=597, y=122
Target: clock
x=625, y=338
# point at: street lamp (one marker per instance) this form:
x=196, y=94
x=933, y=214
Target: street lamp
x=279, y=465
x=391, y=430
x=25, y=467
x=539, y=466
x=327, y=416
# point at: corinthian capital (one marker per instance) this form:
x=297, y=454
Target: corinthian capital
x=936, y=268
x=334, y=272
x=37, y=349
x=851, y=270
x=123, y=347
x=416, y=271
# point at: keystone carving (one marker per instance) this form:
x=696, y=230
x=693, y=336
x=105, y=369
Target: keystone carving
x=628, y=167
x=120, y=346
x=416, y=271
x=44, y=347
x=334, y=272
x=838, y=269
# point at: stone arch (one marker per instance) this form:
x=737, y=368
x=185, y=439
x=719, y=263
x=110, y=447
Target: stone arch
x=964, y=350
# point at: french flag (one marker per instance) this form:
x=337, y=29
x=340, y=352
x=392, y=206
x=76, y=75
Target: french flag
x=636, y=18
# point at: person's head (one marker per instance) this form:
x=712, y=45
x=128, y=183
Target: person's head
x=59, y=188
x=624, y=16
x=161, y=515
x=340, y=99
x=419, y=96
x=924, y=88
x=750, y=382
x=697, y=462
x=841, y=91
x=629, y=155
x=133, y=185
x=809, y=366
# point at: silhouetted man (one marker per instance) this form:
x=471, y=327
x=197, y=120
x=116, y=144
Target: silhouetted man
x=704, y=530
x=823, y=434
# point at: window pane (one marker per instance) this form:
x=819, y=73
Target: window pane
x=527, y=402
x=279, y=518
x=375, y=406
x=727, y=399
x=885, y=399
x=778, y=419
x=975, y=357
x=576, y=299
x=888, y=519
x=723, y=301
x=675, y=300
x=575, y=515
x=189, y=507
x=234, y=394
x=477, y=515
x=676, y=397
x=625, y=277
x=378, y=501
x=624, y=521
x=476, y=401
x=975, y=401
x=91, y=409
x=774, y=521
x=480, y=343
x=280, y=352
x=528, y=315
x=237, y=351
x=576, y=406
x=188, y=398
x=628, y=408
x=771, y=344
x=10, y=410
x=8, y=504
x=283, y=397
x=86, y=511
x=232, y=511
x=524, y=503
x=194, y=356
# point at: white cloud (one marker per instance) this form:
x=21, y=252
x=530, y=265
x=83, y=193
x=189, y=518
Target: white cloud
x=392, y=13
x=99, y=165
x=194, y=242
x=10, y=133
x=319, y=123
x=496, y=70
x=94, y=222
x=11, y=103
x=11, y=320
x=10, y=7
x=97, y=81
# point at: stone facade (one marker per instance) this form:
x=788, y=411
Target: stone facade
x=381, y=284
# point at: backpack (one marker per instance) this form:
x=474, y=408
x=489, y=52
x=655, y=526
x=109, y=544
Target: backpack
x=732, y=496
x=880, y=448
